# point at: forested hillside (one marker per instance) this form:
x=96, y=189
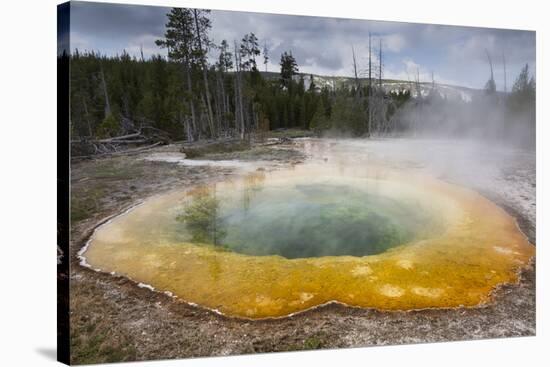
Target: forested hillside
x=186, y=96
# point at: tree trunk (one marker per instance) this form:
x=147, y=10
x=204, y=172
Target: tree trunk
x=380, y=65
x=239, y=117
x=90, y=132
x=223, y=100
x=490, y=64
x=219, y=102
x=191, y=105
x=357, y=87
x=205, y=78
x=369, y=94
x=105, y=93
x=185, y=122
x=504, y=65
x=370, y=63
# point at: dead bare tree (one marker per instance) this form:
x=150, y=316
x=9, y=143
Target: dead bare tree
x=380, y=64
x=369, y=93
x=357, y=86
x=378, y=104
x=417, y=83
x=370, y=63
x=192, y=127
x=143, y=138
x=87, y=116
x=239, y=112
x=266, y=55
x=218, y=102
x=490, y=64
x=223, y=65
x=415, y=116
x=504, y=66
x=205, y=75
x=490, y=87
x=105, y=91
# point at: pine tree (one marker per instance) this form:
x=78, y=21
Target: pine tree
x=523, y=95
x=179, y=40
x=289, y=68
x=249, y=51
x=319, y=121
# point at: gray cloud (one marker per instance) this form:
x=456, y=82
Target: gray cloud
x=117, y=20
x=320, y=45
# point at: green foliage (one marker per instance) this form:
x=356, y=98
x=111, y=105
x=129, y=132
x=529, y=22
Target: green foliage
x=521, y=102
x=225, y=58
x=313, y=342
x=83, y=207
x=523, y=94
x=524, y=84
x=96, y=344
x=289, y=68
x=113, y=95
x=108, y=127
x=179, y=36
x=320, y=121
x=348, y=115
x=249, y=50
x=202, y=218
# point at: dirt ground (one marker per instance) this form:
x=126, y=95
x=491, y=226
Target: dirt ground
x=112, y=319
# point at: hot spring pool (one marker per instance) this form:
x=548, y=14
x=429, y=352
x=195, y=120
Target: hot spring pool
x=272, y=244
x=305, y=217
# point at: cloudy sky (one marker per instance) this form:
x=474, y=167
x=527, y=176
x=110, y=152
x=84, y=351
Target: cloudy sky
x=455, y=55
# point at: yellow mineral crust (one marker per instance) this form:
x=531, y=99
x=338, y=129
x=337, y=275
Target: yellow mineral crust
x=481, y=248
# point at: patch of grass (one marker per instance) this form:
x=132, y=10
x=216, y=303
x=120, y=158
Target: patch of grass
x=290, y=133
x=99, y=347
x=123, y=198
x=85, y=203
x=313, y=342
x=259, y=153
x=116, y=170
x=99, y=178
x=215, y=148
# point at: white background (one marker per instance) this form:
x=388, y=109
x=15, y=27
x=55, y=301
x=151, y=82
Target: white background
x=28, y=182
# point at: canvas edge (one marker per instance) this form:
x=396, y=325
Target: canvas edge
x=63, y=181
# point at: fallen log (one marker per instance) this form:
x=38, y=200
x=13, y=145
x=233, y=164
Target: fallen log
x=119, y=152
x=135, y=141
x=115, y=139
